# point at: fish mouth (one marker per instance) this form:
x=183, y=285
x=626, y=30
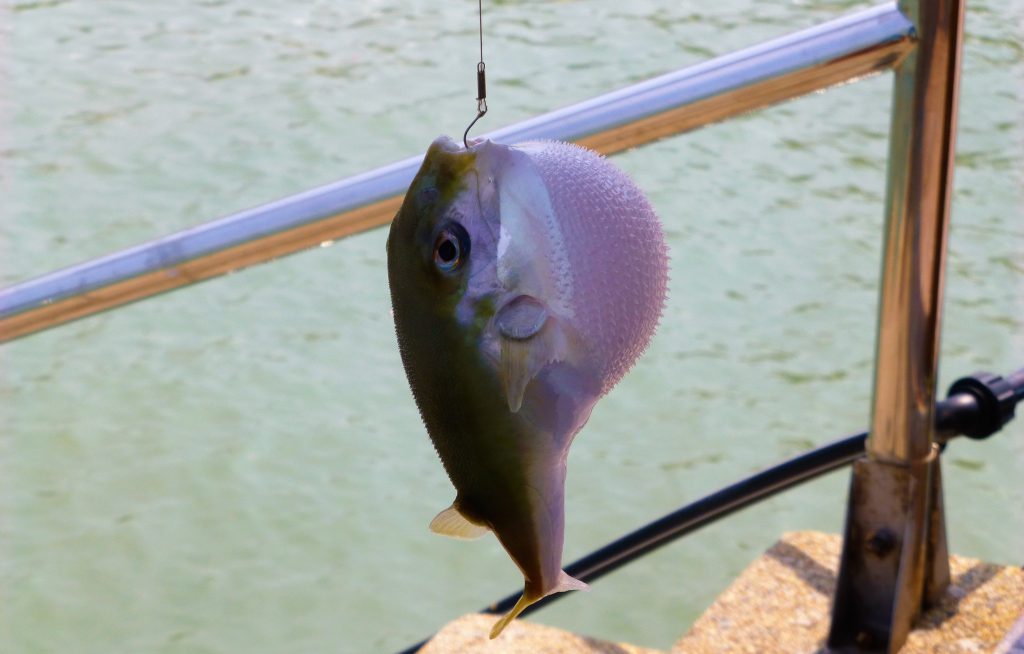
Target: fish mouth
x=447, y=145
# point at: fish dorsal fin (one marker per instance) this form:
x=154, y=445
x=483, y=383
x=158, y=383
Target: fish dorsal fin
x=453, y=524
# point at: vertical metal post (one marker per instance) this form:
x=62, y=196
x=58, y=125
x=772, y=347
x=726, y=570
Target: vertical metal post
x=894, y=557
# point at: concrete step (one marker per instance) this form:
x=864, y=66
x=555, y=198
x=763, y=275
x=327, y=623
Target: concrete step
x=781, y=604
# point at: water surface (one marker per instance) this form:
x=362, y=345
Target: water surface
x=239, y=466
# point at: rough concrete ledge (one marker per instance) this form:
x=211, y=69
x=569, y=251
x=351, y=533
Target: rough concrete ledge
x=469, y=635
x=782, y=603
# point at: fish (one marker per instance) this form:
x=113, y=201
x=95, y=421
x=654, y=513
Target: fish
x=525, y=281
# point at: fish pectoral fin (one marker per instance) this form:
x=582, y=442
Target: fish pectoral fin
x=523, y=358
x=565, y=583
x=521, y=318
x=453, y=524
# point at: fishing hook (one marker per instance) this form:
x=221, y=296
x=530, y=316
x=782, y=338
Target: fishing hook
x=481, y=80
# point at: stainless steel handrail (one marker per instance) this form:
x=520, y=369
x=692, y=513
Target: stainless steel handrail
x=921, y=144
x=847, y=48
x=895, y=559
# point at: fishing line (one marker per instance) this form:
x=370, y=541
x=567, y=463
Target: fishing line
x=481, y=79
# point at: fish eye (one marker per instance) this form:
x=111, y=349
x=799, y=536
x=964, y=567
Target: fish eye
x=451, y=248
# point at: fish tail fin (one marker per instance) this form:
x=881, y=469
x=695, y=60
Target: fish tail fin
x=564, y=583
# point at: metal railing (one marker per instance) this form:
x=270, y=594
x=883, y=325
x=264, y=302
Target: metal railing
x=837, y=51
x=894, y=554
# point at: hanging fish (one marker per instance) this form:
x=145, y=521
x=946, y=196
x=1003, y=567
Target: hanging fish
x=525, y=281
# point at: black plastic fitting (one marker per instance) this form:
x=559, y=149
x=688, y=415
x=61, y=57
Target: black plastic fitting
x=982, y=403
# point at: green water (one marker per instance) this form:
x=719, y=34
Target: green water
x=239, y=466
